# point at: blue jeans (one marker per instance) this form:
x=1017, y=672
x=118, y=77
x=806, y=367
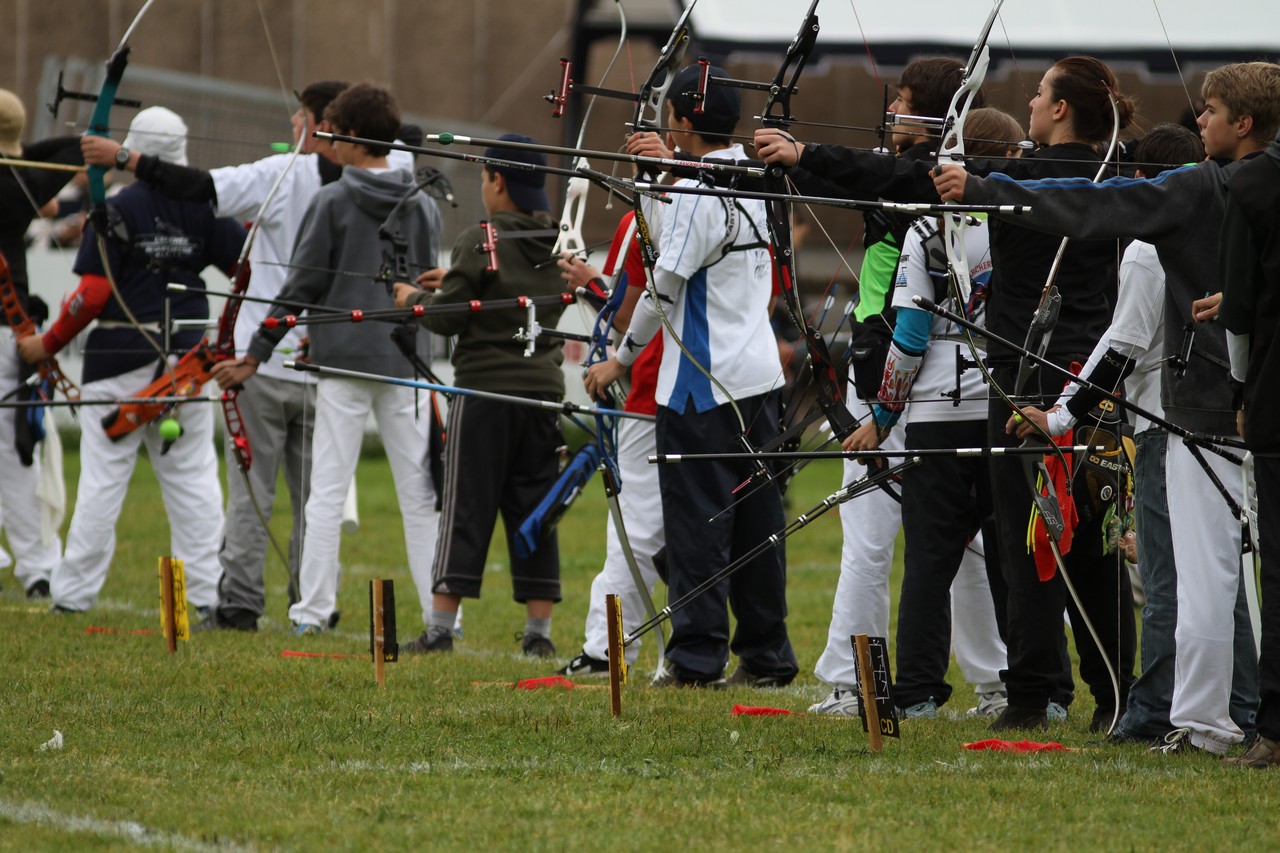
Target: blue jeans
x=1147, y=715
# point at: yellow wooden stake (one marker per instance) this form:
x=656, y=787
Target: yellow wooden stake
x=173, y=602
x=617, y=663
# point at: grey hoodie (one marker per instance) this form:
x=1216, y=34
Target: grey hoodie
x=336, y=261
x=1180, y=213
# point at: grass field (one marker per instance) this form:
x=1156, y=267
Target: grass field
x=230, y=745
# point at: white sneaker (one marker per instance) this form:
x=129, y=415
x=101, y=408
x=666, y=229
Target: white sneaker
x=841, y=703
x=989, y=704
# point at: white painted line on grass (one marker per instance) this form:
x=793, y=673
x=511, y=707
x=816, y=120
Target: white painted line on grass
x=131, y=831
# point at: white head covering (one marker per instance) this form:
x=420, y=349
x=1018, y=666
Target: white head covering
x=160, y=132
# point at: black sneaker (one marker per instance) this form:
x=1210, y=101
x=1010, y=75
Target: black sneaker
x=228, y=620
x=742, y=677
x=39, y=589
x=1121, y=737
x=1015, y=718
x=64, y=611
x=585, y=666
x=429, y=642
x=667, y=676
x=1177, y=742
x=538, y=646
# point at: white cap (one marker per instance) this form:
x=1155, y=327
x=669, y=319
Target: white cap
x=160, y=132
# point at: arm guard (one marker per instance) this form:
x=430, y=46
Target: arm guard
x=1110, y=373
x=900, y=369
x=85, y=304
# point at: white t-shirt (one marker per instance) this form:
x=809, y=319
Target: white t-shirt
x=241, y=191
x=717, y=302
x=938, y=368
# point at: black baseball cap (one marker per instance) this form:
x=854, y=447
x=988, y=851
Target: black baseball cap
x=527, y=187
x=721, y=106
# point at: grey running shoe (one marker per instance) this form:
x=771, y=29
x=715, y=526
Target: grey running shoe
x=840, y=703
x=989, y=704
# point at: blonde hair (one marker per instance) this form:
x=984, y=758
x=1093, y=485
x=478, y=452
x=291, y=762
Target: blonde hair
x=1248, y=89
x=990, y=132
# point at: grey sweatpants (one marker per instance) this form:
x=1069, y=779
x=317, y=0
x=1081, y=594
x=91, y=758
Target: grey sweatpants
x=278, y=417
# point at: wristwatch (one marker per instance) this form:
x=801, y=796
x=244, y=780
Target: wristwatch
x=122, y=157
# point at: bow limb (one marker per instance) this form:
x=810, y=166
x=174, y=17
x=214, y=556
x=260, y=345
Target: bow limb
x=22, y=327
x=99, y=122
x=653, y=93
x=777, y=113
x=1045, y=501
x=224, y=348
x=571, y=239
x=607, y=425
x=1047, y=504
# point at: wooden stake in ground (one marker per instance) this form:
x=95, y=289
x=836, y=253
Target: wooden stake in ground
x=867, y=691
x=617, y=664
x=379, y=639
x=383, y=646
x=173, y=603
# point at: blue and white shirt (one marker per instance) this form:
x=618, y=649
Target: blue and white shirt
x=714, y=278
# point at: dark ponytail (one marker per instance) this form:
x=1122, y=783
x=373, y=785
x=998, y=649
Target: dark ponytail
x=1088, y=85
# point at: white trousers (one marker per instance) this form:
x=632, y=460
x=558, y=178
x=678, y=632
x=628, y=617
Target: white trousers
x=35, y=557
x=1206, y=538
x=342, y=408
x=871, y=523
x=641, y=505
x=188, y=477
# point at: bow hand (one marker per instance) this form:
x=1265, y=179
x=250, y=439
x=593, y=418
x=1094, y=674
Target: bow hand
x=575, y=272
x=949, y=181
x=233, y=372
x=1029, y=421
x=869, y=436
x=1206, y=309
x=648, y=144
x=403, y=293
x=101, y=151
x=431, y=279
x=32, y=349
x=777, y=147
x=598, y=377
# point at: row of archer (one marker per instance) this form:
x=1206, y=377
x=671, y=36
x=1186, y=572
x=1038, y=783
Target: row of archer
x=703, y=169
